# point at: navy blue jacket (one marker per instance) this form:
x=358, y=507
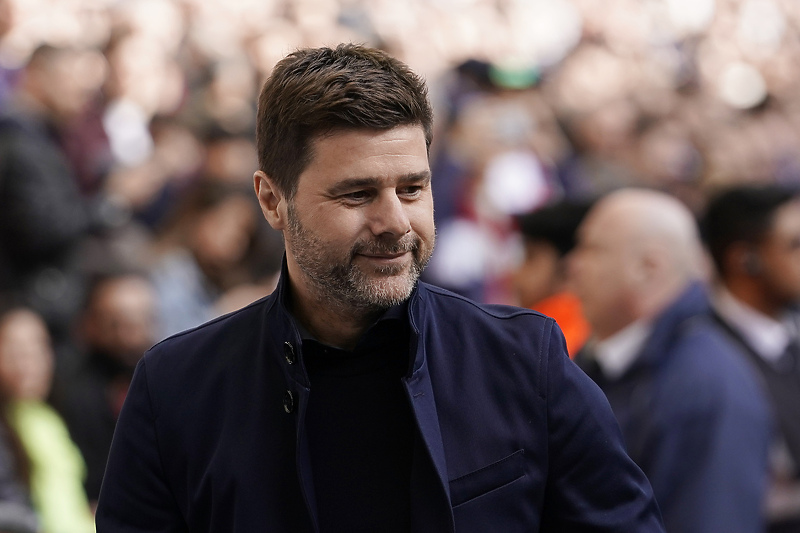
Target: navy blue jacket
x=695, y=420
x=514, y=437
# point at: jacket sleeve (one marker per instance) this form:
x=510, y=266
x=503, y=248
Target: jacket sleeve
x=135, y=496
x=592, y=485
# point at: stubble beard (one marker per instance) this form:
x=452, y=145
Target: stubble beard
x=337, y=280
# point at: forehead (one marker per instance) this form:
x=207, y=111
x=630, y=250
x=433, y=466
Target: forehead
x=368, y=152
x=603, y=226
x=22, y=325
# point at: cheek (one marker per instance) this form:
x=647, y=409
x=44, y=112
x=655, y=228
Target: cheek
x=333, y=223
x=421, y=218
x=786, y=272
x=597, y=280
x=11, y=375
x=537, y=276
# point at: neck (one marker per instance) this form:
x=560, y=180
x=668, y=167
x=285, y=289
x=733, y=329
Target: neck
x=330, y=322
x=752, y=294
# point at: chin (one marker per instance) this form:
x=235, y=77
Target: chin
x=389, y=292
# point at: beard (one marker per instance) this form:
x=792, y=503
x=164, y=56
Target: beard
x=336, y=279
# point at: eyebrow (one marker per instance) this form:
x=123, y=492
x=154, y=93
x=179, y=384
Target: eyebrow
x=423, y=178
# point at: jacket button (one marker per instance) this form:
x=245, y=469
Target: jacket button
x=288, y=402
x=288, y=353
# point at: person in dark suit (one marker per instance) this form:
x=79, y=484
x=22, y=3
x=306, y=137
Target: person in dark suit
x=356, y=398
x=691, y=412
x=753, y=234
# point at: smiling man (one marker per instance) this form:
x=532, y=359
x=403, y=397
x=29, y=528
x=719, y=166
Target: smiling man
x=356, y=398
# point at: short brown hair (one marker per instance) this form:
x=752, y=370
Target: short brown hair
x=316, y=91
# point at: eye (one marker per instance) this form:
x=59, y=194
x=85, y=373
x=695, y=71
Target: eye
x=412, y=191
x=356, y=196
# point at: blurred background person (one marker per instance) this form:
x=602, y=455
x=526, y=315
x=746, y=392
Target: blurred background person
x=16, y=510
x=541, y=281
x=692, y=414
x=43, y=218
x=118, y=323
x=56, y=466
x=753, y=234
x=202, y=253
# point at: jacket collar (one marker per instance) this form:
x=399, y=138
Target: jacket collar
x=287, y=331
x=430, y=501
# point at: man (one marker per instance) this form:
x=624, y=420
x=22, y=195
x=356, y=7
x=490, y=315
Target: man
x=43, y=219
x=355, y=398
x=753, y=234
x=691, y=413
x=117, y=324
x=541, y=280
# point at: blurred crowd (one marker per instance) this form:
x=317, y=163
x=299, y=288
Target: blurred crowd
x=127, y=155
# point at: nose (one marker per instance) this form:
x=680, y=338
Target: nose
x=388, y=216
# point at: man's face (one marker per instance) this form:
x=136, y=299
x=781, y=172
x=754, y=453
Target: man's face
x=121, y=320
x=600, y=270
x=780, y=256
x=360, y=226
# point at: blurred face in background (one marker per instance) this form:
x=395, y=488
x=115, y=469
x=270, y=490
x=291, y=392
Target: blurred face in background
x=67, y=81
x=222, y=234
x=120, y=321
x=779, y=255
x=26, y=356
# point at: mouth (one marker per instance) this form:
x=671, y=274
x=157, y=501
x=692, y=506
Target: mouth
x=388, y=258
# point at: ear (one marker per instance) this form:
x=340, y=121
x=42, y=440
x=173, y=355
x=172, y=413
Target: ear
x=270, y=199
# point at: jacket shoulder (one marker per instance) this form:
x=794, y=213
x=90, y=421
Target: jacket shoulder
x=437, y=297
x=214, y=342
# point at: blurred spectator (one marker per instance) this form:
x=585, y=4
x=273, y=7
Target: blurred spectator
x=202, y=253
x=16, y=510
x=753, y=233
x=230, y=157
x=43, y=218
x=117, y=325
x=56, y=466
x=541, y=280
x=152, y=188
x=691, y=411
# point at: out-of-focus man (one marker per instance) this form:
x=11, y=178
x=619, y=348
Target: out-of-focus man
x=753, y=234
x=693, y=416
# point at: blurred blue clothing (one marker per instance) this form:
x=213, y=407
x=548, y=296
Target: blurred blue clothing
x=695, y=420
x=185, y=298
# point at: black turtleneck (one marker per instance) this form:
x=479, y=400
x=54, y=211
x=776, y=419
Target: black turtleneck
x=360, y=431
